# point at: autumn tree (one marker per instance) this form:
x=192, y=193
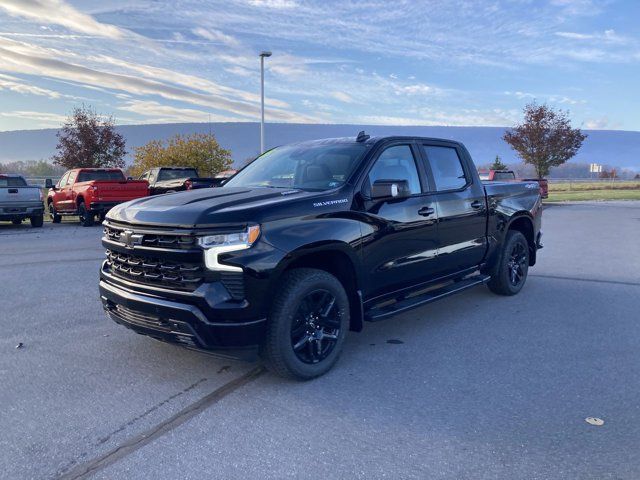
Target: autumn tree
x=89, y=140
x=545, y=138
x=198, y=150
x=497, y=164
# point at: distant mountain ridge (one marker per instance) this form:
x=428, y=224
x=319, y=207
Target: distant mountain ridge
x=617, y=148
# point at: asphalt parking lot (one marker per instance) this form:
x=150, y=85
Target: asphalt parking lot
x=473, y=387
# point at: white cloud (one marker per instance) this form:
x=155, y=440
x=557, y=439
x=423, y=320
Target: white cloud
x=41, y=117
x=416, y=89
x=167, y=114
x=216, y=36
x=343, y=97
x=58, y=12
x=19, y=60
x=14, y=84
x=277, y=4
x=597, y=123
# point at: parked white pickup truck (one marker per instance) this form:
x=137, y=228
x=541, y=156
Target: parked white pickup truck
x=19, y=201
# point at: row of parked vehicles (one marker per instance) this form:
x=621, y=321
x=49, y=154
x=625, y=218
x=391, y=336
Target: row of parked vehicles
x=89, y=193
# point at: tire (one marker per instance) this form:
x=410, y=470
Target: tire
x=86, y=217
x=510, y=273
x=16, y=221
x=55, y=218
x=101, y=216
x=307, y=325
x=37, y=221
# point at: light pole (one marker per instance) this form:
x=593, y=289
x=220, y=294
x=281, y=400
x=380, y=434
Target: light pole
x=262, y=57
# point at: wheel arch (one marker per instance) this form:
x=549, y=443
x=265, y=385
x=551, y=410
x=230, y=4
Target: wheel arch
x=339, y=260
x=523, y=223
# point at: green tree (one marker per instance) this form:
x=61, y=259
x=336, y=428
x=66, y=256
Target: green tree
x=545, y=138
x=88, y=140
x=497, y=164
x=198, y=150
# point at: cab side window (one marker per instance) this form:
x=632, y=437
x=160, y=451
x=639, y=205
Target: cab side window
x=63, y=180
x=396, y=163
x=446, y=167
x=72, y=178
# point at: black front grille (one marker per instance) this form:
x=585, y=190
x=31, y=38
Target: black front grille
x=155, y=271
x=174, y=241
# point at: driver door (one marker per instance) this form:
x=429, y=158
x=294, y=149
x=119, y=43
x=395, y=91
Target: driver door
x=401, y=237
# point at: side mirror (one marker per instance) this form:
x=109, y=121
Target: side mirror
x=129, y=178
x=390, y=189
x=48, y=183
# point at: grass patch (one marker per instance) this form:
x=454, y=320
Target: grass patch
x=598, y=194
x=582, y=186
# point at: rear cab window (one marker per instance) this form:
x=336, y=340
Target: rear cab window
x=12, y=182
x=446, y=167
x=100, y=175
x=176, y=173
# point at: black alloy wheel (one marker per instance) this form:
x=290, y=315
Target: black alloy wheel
x=517, y=264
x=511, y=268
x=316, y=327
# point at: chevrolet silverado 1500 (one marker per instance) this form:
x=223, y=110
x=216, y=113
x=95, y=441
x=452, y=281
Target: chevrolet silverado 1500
x=312, y=240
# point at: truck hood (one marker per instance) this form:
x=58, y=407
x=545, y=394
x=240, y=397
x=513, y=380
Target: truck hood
x=204, y=207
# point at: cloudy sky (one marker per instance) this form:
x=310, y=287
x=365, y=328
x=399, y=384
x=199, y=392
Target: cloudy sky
x=435, y=62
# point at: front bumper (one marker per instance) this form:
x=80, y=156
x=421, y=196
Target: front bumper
x=180, y=323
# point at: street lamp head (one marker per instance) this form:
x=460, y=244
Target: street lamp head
x=265, y=54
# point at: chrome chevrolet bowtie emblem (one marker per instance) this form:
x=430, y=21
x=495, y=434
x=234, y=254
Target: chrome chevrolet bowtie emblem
x=130, y=239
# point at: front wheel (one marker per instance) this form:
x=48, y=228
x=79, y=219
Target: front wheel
x=55, y=218
x=510, y=273
x=86, y=217
x=307, y=325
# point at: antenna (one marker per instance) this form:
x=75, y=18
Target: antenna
x=362, y=137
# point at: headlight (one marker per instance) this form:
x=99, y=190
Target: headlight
x=214, y=245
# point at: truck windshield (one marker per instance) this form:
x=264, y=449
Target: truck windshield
x=108, y=175
x=307, y=167
x=175, y=173
x=12, y=182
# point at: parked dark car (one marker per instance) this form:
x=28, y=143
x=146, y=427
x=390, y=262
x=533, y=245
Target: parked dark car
x=176, y=179
x=310, y=241
x=19, y=201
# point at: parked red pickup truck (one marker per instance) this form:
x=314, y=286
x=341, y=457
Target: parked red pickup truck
x=510, y=175
x=91, y=192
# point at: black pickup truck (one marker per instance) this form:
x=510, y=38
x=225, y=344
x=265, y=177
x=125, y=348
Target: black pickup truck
x=176, y=179
x=310, y=241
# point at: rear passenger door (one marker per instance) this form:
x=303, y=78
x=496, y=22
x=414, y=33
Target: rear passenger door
x=460, y=202
x=399, y=235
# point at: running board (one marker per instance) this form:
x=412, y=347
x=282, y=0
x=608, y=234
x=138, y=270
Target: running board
x=402, y=305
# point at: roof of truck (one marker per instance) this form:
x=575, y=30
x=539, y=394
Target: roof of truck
x=370, y=140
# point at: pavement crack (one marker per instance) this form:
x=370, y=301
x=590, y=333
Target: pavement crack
x=108, y=437
x=135, y=443
x=592, y=280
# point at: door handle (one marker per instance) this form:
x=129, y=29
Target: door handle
x=477, y=205
x=426, y=211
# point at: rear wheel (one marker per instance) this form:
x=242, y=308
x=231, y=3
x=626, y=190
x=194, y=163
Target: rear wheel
x=37, y=221
x=16, y=221
x=55, y=218
x=307, y=325
x=510, y=274
x=86, y=217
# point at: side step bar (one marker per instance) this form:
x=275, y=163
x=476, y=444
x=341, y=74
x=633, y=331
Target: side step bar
x=407, y=303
